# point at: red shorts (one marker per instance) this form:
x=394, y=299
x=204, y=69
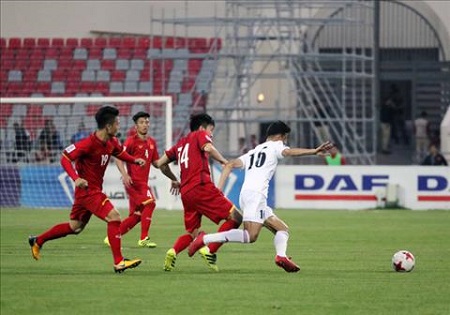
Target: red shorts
x=205, y=200
x=96, y=203
x=139, y=195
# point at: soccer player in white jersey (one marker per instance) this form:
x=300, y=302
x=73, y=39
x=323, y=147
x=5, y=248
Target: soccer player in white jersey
x=260, y=164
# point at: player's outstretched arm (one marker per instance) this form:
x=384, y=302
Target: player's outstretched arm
x=320, y=150
x=163, y=160
x=237, y=163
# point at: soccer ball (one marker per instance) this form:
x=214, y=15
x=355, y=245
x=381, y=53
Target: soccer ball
x=403, y=261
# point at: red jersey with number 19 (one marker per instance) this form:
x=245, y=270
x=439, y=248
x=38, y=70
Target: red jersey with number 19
x=193, y=161
x=91, y=156
x=145, y=149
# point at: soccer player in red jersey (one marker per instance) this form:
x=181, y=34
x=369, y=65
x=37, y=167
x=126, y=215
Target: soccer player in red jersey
x=199, y=195
x=135, y=179
x=91, y=156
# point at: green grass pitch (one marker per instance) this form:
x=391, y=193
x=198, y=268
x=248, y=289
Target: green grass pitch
x=345, y=258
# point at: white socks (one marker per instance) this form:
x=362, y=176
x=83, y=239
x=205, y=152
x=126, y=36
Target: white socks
x=280, y=241
x=233, y=236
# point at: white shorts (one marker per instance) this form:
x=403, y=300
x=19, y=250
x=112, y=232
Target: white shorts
x=254, y=206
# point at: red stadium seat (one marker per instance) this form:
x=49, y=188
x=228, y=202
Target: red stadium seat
x=114, y=42
x=43, y=42
x=36, y=64
x=100, y=42
x=30, y=75
x=129, y=42
x=124, y=53
x=86, y=42
x=95, y=53
x=23, y=54
x=143, y=42
x=21, y=64
x=2, y=42
x=57, y=42
x=72, y=42
x=29, y=42
x=140, y=53
x=108, y=65
x=156, y=42
x=15, y=43
x=118, y=75
x=37, y=53
x=52, y=53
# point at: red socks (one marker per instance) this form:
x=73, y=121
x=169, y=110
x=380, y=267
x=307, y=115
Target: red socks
x=129, y=223
x=227, y=225
x=58, y=231
x=182, y=243
x=113, y=230
x=146, y=219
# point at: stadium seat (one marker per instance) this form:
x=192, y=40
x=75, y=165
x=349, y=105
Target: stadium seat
x=145, y=87
x=57, y=42
x=80, y=53
x=58, y=87
x=109, y=53
x=143, y=42
x=103, y=76
x=93, y=64
x=2, y=43
x=43, y=42
x=117, y=75
x=49, y=110
x=15, y=75
x=116, y=87
x=132, y=75
x=130, y=87
x=88, y=75
x=14, y=42
x=44, y=75
x=29, y=42
x=95, y=53
x=72, y=42
x=100, y=42
x=86, y=42
x=129, y=42
x=115, y=42
x=50, y=64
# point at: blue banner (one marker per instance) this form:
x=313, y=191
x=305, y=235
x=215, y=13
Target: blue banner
x=45, y=186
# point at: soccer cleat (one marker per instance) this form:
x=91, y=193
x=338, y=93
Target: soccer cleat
x=106, y=241
x=126, y=264
x=169, y=261
x=146, y=243
x=196, y=244
x=209, y=258
x=286, y=263
x=35, y=248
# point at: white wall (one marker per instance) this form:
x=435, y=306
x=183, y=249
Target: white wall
x=78, y=18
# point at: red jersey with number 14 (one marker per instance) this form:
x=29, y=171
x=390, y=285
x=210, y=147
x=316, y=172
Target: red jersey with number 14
x=145, y=149
x=91, y=156
x=193, y=161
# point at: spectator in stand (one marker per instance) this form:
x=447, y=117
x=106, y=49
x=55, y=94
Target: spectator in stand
x=335, y=157
x=242, y=146
x=50, y=140
x=422, y=135
x=386, y=120
x=22, y=143
x=434, y=158
x=80, y=134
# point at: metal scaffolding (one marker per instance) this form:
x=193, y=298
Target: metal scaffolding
x=271, y=47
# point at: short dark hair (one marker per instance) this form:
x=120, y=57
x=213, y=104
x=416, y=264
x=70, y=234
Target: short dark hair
x=140, y=115
x=106, y=115
x=202, y=119
x=277, y=128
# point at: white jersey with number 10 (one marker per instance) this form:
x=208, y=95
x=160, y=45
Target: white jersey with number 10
x=260, y=164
